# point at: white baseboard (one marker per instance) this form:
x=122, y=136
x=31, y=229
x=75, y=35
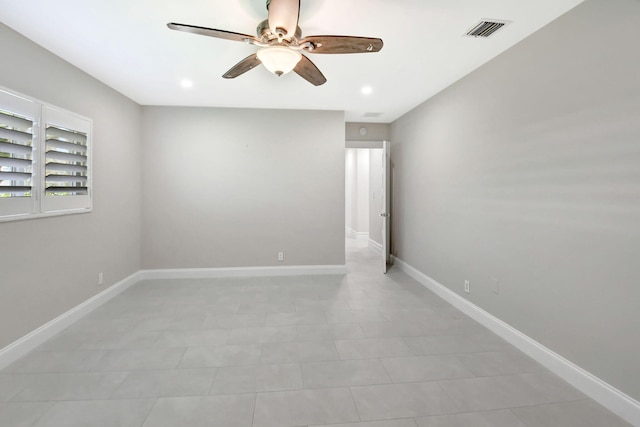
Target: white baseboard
x=375, y=246
x=208, y=273
x=24, y=345
x=350, y=232
x=608, y=396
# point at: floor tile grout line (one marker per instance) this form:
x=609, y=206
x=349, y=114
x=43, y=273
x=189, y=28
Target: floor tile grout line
x=313, y=388
x=255, y=405
x=213, y=381
x=102, y=399
x=181, y=358
x=355, y=404
x=511, y=410
x=389, y=377
x=149, y=413
x=51, y=405
x=304, y=383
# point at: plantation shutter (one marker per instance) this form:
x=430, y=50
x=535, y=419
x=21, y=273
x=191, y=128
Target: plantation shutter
x=17, y=155
x=67, y=165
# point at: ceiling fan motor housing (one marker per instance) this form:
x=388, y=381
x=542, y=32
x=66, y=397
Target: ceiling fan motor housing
x=264, y=32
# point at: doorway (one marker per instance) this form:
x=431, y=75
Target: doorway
x=364, y=195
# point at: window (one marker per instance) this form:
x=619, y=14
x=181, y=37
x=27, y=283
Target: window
x=66, y=161
x=45, y=159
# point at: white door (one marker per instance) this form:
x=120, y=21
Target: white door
x=386, y=205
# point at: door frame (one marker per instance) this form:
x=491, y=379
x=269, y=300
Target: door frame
x=387, y=187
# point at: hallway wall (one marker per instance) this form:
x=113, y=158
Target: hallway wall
x=357, y=191
x=375, y=131
x=375, y=195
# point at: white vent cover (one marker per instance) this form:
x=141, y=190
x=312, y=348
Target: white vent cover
x=372, y=114
x=486, y=27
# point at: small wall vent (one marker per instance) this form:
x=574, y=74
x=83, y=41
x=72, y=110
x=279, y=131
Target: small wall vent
x=486, y=27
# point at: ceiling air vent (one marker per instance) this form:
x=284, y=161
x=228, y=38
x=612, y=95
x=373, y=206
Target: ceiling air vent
x=485, y=28
x=372, y=114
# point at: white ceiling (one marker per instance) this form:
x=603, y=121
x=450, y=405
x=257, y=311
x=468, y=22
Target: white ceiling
x=126, y=44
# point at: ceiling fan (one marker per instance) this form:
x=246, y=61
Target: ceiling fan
x=281, y=45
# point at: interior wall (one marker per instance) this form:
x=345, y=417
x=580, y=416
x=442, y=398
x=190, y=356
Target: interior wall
x=525, y=172
x=375, y=195
x=54, y=262
x=363, y=191
x=351, y=190
x=237, y=186
x=375, y=131
x=357, y=192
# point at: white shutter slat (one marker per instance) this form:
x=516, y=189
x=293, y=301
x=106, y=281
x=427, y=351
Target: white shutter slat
x=66, y=147
x=67, y=191
x=55, y=132
x=13, y=135
x=53, y=155
x=15, y=176
x=18, y=190
x=14, y=122
x=15, y=149
x=66, y=168
x=72, y=179
x=13, y=163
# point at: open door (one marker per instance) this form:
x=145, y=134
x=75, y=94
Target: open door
x=386, y=206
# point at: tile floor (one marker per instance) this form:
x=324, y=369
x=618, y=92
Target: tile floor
x=361, y=350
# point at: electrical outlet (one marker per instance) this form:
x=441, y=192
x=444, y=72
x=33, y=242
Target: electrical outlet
x=280, y=256
x=467, y=289
x=100, y=278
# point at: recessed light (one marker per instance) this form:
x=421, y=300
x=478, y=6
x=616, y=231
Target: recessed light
x=186, y=84
x=367, y=90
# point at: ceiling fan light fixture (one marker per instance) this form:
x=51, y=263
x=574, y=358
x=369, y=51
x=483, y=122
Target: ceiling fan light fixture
x=280, y=41
x=279, y=59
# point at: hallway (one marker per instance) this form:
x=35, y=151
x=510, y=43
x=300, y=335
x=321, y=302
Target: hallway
x=361, y=350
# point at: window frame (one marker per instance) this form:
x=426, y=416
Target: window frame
x=39, y=204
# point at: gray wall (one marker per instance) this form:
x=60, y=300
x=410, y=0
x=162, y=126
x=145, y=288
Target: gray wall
x=55, y=262
x=351, y=190
x=376, y=132
x=357, y=190
x=527, y=171
x=231, y=188
x=375, y=194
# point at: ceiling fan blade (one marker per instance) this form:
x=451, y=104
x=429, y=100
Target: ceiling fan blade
x=283, y=15
x=342, y=44
x=248, y=63
x=308, y=71
x=211, y=32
